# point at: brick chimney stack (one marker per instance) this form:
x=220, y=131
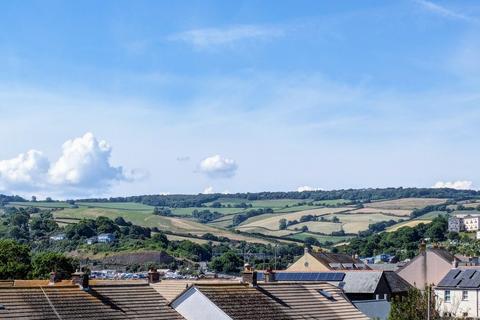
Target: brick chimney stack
x=455, y=263
x=269, y=275
x=249, y=275
x=81, y=279
x=153, y=276
x=422, y=247
x=54, y=277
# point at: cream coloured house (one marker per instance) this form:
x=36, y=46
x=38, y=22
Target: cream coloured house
x=325, y=261
x=457, y=294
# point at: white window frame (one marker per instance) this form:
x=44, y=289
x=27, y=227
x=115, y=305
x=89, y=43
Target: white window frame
x=447, y=296
x=464, y=295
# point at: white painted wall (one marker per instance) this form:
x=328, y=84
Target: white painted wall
x=457, y=307
x=194, y=305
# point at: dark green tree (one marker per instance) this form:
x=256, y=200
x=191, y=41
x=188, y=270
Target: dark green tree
x=414, y=306
x=14, y=260
x=45, y=262
x=228, y=262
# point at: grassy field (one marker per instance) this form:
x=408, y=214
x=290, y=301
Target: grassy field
x=351, y=220
x=350, y=223
x=405, y=204
x=145, y=219
x=393, y=212
x=280, y=203
x=172, y=237
x=40, y=204
x=318, y=226
x=411, y=223
x=188, y=211
x=359, y=222
x=271, y=221
x=117, y=205
x=268, y=232
x=321, y=238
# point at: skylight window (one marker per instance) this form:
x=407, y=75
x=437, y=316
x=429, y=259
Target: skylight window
x=326, y=294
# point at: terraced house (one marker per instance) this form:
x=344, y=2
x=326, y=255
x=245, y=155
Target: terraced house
x=82, y=298
x=457, y=294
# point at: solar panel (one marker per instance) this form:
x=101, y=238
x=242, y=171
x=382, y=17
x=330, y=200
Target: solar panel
x=453, y=273
x=468, y=274
x=470, y=282
x=305, y=276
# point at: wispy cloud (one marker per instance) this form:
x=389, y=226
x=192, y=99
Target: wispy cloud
x=211, y=37
x=443, y=11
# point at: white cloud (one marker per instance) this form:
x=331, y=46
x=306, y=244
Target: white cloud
x=218, y=167
x=442, y=11
x=27, y=171
x=307, y=188
x=85, y=162
x=210, y=37
x=208, y=190
x=460, y=185
x=83, y=168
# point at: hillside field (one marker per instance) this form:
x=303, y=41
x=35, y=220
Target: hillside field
x=351, y=218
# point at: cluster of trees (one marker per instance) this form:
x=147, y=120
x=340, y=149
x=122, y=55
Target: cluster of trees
x=240, y=217
x=162, y=211
x=18, y=262
x=284, y=223
x=462, y=207
x=4, y=199
x=172, y=201
x=230, y=259
x=403, y=242
x=355, y=195
x=204, y=216
x=378, y=227
x=416, y=305
x=27, y=224
x=87, y=228
x=420, y=212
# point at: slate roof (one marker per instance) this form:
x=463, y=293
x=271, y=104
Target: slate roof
x=461, y=279
x=103, y=302
x=396, y=283
x=281, y=301
x=361, y=282
x=375, y=309
x=444, y=253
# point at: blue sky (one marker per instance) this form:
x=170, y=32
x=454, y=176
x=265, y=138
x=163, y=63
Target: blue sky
x=135, y=97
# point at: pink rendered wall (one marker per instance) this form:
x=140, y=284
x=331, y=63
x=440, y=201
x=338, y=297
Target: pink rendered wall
x=435, y=269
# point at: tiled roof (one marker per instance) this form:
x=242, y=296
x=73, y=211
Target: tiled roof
x=242, y=302
x=70, y=302
x=339, y=260
x=170, y=289
x=304, y=301
x=137, y=301
x=281, y=301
